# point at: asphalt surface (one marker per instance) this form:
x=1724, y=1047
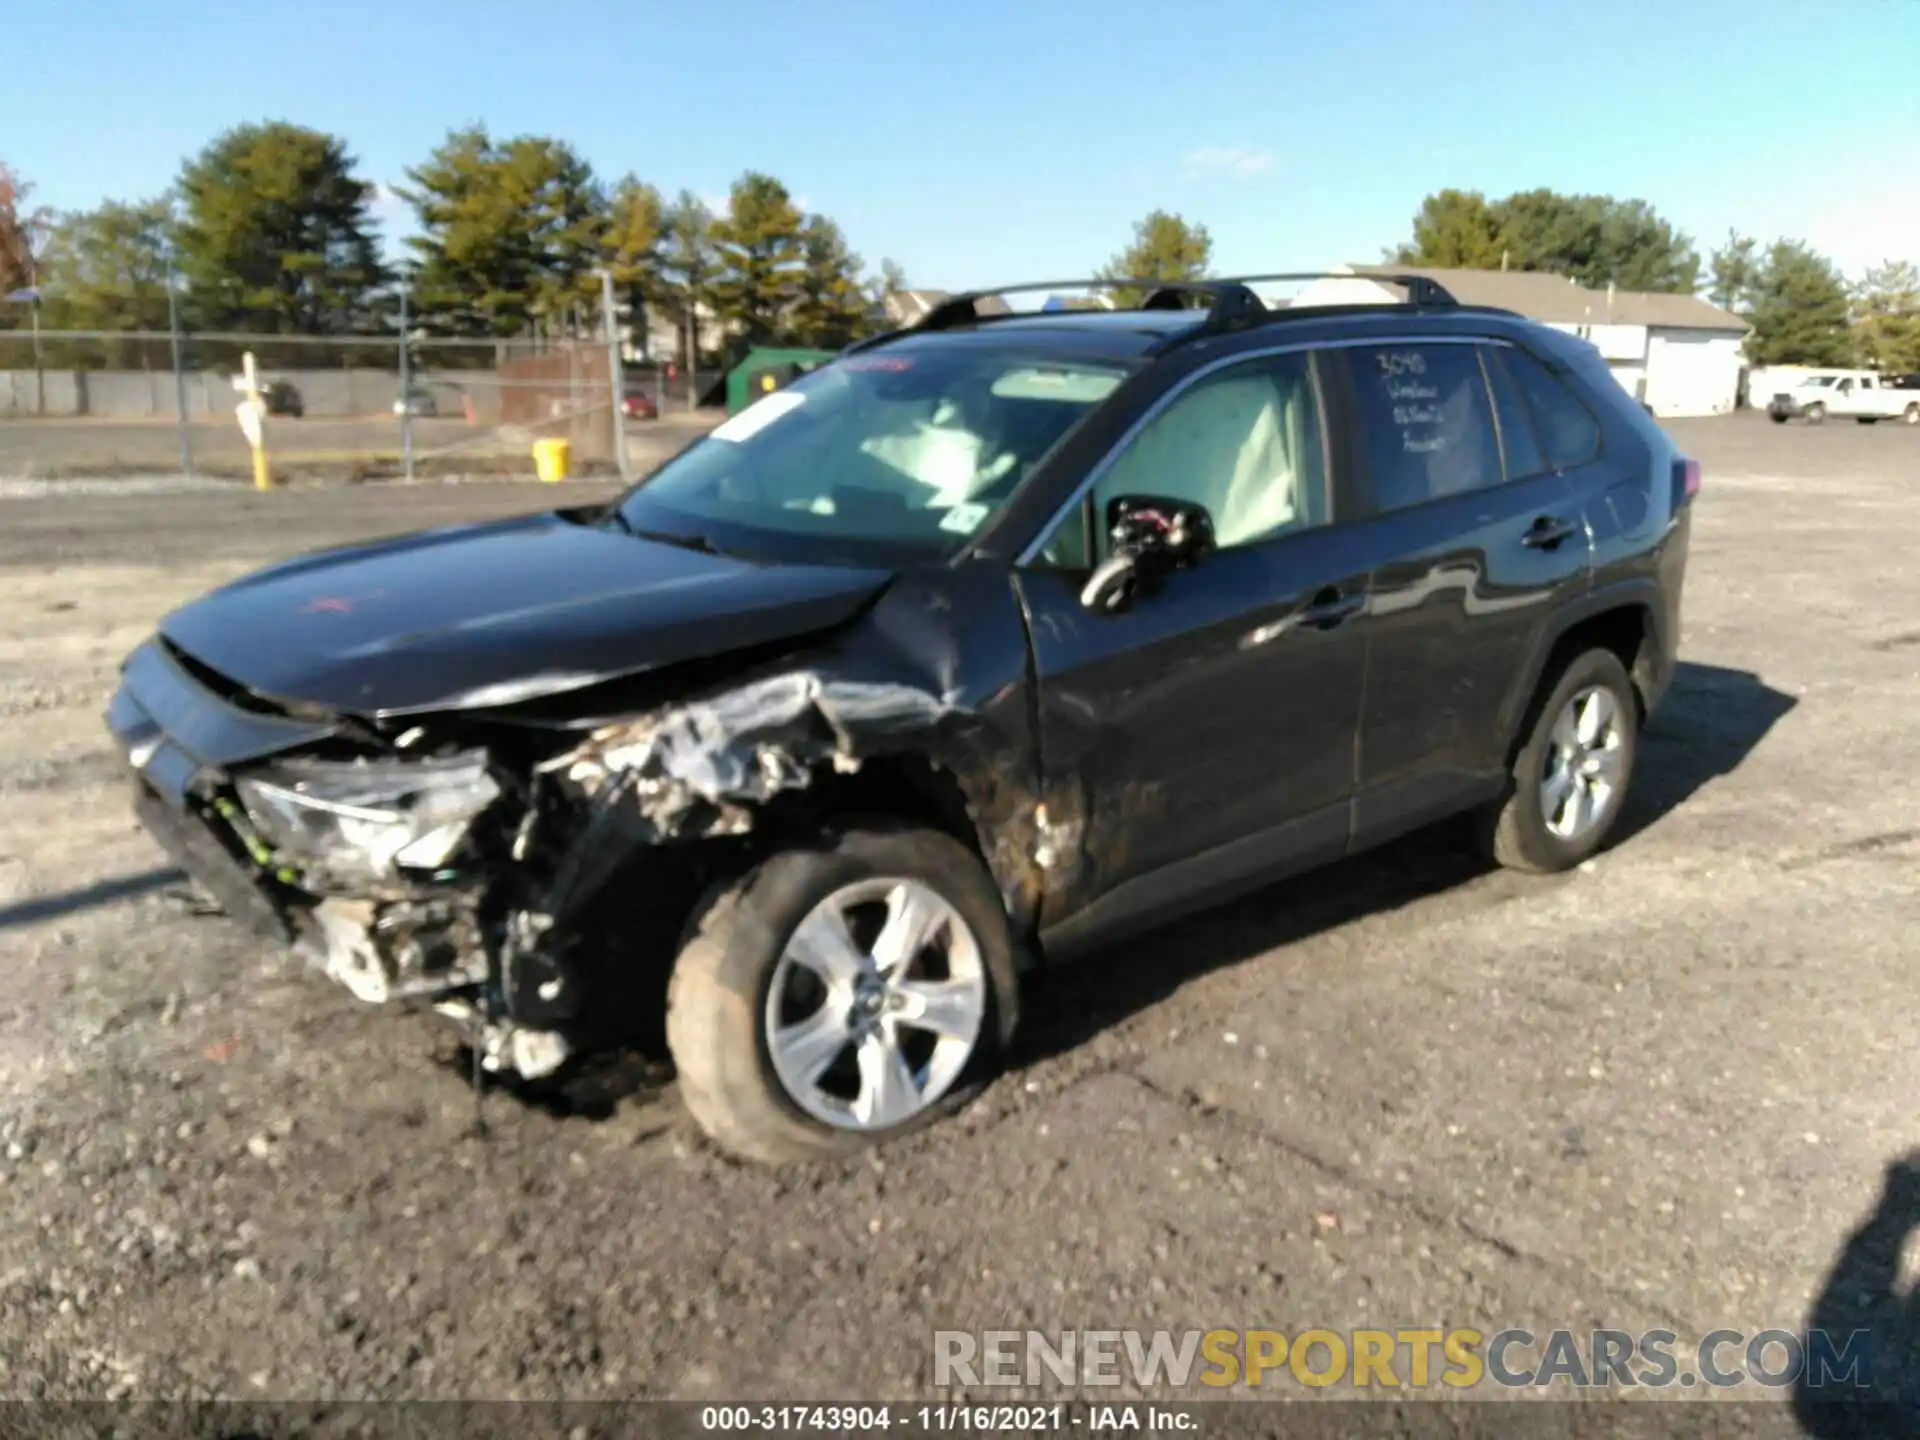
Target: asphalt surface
x=1404, y=1092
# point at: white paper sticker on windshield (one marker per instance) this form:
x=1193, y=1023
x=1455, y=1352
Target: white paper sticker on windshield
x=757, y=416
x=964, y=517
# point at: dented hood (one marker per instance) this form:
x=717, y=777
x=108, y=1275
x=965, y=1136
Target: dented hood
x=488, y=614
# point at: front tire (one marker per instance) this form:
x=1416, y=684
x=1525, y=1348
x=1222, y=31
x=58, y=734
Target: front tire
x=1571, y=776
x=1816, y=414
x=838, y=996
x=1911, y=414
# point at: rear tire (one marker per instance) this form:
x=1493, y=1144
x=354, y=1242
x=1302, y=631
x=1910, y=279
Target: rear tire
x=1528, y=831
x=723, y=1009
x=1776, y=417
x=1911, y=414
x=1816, y=414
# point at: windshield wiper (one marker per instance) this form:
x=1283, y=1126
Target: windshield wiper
x=666, y=537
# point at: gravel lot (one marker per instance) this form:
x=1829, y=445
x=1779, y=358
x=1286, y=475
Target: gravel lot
x=329, y=447
x=1404, y=1092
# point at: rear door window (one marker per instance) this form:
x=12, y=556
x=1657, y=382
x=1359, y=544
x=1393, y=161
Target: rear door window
x=1428, y=422
x=1567, y=432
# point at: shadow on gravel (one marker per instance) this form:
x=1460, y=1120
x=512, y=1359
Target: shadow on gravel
x=1711, y=719
x=1863, y=1297
x=590, y=1087
x=102, y=892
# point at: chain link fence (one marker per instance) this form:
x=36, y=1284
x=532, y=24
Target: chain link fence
x=338, y=406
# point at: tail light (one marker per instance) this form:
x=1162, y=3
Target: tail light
x=1686, y=481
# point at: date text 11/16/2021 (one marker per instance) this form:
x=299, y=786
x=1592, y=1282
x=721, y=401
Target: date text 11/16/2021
x=947, y=1419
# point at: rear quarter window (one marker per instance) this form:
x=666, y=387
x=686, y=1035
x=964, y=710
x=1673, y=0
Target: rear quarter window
x=1518, y=443
x=1566, y=430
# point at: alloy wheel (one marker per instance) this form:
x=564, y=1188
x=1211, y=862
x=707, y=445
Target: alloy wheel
x=875, y=1005
x=1586, y=764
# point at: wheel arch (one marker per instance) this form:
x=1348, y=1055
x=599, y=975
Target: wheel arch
x=1624, y=619
x=909, y=788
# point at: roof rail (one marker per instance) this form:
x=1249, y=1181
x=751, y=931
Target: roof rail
x=1231, y=302
x=1422, y=290
x=1228, y=297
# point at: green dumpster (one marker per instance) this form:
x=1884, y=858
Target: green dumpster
x=766, y=369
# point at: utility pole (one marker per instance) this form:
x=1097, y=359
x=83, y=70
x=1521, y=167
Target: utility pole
x=693, y=351
x=616, y=377
x=179, y=367
x=406, y=391
x=33, y=290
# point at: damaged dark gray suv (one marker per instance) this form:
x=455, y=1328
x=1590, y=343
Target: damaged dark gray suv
x=983, y=643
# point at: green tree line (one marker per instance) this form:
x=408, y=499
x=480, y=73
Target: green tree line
x=1802, y=309
x=269, y=231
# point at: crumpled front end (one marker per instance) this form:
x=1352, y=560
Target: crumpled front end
x=443, y=862
x=376, y=856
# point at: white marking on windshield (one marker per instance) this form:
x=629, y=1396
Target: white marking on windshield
x=757, y=416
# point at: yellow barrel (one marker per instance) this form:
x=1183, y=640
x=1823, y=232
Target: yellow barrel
x=552, y=459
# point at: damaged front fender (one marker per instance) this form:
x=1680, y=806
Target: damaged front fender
x=695, y=769
x=703, y=768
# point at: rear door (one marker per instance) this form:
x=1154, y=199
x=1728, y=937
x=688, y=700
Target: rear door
x=1478, y=539
x=1204, y=734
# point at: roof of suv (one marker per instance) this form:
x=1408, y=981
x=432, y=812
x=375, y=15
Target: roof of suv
x=1115, y=335
x=1165, y=319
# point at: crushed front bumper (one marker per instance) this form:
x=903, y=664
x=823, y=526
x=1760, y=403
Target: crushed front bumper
x=183, y=736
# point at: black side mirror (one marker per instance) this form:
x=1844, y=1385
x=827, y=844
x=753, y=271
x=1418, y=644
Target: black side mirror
x=1147, y=536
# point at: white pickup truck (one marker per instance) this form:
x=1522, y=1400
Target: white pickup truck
x=1847, y=394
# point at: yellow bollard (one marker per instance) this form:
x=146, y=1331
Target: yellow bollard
x=252, y=414
x=552, y=460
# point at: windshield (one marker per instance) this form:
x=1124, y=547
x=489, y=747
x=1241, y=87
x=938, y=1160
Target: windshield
x=904, y=449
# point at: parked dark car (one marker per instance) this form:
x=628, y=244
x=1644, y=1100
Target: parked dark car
x=281, y=397
x=416, y=402
x=987, y=643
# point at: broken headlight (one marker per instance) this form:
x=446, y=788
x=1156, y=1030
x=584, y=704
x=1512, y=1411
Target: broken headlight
x=368, y=818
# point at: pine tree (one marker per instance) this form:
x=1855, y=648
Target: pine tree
x=276, y=234
x=759, y=251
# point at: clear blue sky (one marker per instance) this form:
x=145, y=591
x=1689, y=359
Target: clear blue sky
x=990, y=140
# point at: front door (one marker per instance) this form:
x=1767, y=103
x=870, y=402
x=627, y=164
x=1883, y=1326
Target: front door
x=1204, y=734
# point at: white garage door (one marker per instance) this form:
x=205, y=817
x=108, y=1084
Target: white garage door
x=1689, y=373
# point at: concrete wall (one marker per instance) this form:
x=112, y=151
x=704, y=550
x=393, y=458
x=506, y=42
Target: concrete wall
x=19, y=394
x=139, y=394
